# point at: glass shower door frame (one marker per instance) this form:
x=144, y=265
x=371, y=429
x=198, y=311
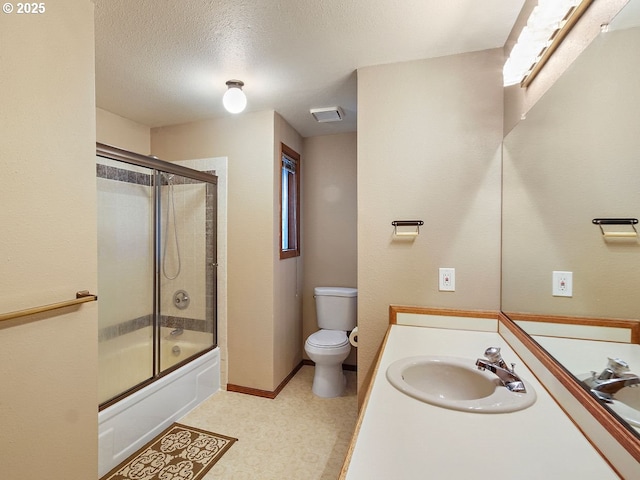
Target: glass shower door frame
x=159, y=167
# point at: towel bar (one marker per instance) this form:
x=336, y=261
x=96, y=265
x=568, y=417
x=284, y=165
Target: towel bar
x=407, y=223
x=617, y=221
x=82, y=296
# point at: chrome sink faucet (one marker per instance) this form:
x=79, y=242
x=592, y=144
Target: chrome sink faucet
x=494, y=363
x=612, y=379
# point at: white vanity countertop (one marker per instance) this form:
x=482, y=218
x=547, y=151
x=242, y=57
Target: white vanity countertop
x=402, y=438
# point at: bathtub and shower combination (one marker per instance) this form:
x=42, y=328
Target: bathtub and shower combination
x=157, y=262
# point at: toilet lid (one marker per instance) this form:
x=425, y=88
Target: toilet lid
x=328, y=339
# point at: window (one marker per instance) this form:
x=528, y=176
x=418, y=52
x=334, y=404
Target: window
x=289, y=203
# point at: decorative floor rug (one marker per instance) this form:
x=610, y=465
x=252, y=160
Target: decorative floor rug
x=178, y=453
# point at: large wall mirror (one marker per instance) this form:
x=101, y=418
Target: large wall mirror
x=573, y=159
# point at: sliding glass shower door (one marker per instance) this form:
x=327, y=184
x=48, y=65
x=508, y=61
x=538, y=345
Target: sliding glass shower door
x=187, y=268
x=156, y=269
x=125, y=276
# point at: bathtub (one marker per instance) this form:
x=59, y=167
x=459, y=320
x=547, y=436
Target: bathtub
x=127, y=425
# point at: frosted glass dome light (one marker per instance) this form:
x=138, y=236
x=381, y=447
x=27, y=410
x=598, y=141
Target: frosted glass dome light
x=234, y=99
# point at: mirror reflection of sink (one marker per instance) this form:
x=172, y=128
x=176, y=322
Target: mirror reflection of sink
x=625, y=402
x=628, y=413
x=455, y=383
x=630, y=396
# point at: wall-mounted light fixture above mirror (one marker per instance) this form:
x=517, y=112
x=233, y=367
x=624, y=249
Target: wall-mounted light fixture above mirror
x=549, y=23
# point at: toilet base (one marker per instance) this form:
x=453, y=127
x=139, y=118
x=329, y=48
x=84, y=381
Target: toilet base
x=329, y=381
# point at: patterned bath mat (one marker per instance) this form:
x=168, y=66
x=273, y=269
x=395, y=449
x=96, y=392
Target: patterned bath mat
x=178, y=453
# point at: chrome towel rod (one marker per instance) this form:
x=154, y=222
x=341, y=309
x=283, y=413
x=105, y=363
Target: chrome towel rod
x=82, y=296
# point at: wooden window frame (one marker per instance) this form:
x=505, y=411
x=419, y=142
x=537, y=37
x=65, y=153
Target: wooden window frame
x=293, y=203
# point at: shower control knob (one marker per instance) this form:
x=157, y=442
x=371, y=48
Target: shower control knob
x=181, y=299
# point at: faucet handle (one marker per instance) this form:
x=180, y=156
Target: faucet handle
x=618, y=366
x=615, y=368
x=493, y=354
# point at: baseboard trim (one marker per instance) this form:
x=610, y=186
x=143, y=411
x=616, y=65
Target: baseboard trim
x=264, y=393
x=350, y=368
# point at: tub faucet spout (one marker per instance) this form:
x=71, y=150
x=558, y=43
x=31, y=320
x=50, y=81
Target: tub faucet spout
x=495, y=364
x=176, y=332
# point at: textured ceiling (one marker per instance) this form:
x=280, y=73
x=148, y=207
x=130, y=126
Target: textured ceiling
x=163, y=62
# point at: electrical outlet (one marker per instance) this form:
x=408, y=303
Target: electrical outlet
x=447, y=279
x=562, y=284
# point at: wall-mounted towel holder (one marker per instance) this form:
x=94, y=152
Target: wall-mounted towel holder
x=617, y=221
x=407, y=223
x=82, y=296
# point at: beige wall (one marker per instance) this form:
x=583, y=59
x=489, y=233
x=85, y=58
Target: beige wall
x=287, y=331
x=112, y=129
x=429, y=138
x=254, y=331
x=329, y=180
x=48, y=398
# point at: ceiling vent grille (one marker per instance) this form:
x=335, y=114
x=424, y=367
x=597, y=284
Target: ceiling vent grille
x=327, y=114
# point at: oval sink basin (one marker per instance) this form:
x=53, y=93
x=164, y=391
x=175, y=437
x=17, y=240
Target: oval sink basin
x=455, y=383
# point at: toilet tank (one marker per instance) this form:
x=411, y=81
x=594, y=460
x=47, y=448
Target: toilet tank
x=336, y=307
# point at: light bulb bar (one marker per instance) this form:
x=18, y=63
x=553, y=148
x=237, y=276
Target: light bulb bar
x=547, y=26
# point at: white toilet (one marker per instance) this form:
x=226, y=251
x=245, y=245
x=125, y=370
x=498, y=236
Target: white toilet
x=336, y=311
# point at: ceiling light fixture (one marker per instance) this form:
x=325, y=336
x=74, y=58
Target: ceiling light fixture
x=548, y=24
x=234, y=99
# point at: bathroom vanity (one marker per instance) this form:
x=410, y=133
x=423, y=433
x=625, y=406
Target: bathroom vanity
x=399, y=436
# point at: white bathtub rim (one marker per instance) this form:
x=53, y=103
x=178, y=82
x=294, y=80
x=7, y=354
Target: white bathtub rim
x=160, y=383
x=113, y=422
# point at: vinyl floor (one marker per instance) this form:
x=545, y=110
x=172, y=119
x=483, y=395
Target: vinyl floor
x=296, y=436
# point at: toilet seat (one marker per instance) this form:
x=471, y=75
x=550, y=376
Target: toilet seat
x=328, y=339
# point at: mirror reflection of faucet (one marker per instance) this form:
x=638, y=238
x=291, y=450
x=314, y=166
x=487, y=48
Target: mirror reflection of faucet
x=495, y=364
x=615, y=376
